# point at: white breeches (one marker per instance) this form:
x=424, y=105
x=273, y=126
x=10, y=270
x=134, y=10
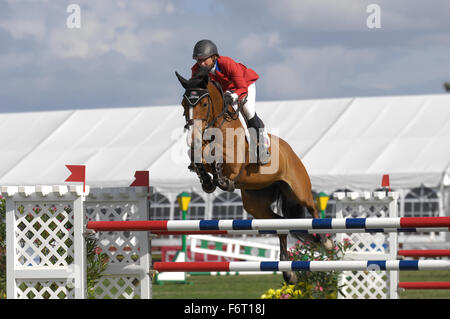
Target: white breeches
x=249, y=107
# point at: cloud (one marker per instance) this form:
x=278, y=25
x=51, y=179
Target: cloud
x=314, y=72
x=253, y=45
x=21, y=28
x=127, y=51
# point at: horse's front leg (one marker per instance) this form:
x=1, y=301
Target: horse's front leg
x=221, y=180
x=203, y=175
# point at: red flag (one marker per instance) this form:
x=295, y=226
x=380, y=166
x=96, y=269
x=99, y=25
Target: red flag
x=142, y=178
x=78, y=174
x=385, y=182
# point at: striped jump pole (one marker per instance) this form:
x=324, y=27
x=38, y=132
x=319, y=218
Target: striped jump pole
x=424, y=253
x=339, y=265
x=271, y=224
x=301, y=231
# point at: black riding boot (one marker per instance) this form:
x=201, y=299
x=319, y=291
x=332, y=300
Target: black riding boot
x=258, y=125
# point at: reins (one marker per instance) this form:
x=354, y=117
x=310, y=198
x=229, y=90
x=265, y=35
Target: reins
x=227, y=116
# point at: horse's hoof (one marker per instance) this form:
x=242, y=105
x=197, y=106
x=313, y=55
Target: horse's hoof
x=208, y=187
x=263, y=159
x=224, y=184
x=326, y=242
x=229, y=186
x=290, y=277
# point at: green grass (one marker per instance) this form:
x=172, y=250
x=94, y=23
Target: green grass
x=430, y=275
x=219, y=287
x=253, y=286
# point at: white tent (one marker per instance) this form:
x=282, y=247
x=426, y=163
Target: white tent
x=344, y=143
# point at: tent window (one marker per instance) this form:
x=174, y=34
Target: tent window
x=228, y=206
x=196, y=209
x=421, y=202
x=159, y=207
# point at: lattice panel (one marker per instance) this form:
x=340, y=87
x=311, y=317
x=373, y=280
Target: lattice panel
x=44, y=289
x=367, y=242
x=118, y=287
x=44, y=233
x=358, y=210
x=364, y=285
x=121, y=247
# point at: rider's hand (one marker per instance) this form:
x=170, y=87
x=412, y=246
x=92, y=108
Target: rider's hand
x=230, y=98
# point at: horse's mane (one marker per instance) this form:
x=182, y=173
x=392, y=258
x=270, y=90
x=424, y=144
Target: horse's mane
x=202, y=73
x=200, y=79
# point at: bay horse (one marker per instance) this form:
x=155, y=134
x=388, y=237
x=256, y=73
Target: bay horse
x=282, y=181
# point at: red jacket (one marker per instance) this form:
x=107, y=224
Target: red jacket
x=231, y=75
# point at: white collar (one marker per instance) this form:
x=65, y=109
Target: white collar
x=213, y=69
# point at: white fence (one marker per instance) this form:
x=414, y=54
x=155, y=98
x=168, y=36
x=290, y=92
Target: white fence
x=368, y=246
x=46, y=256
x=46, y=245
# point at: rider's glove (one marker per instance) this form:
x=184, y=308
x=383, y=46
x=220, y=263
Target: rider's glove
x=230, y=98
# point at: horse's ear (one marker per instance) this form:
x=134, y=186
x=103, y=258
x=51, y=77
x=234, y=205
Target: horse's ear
x=182, y=80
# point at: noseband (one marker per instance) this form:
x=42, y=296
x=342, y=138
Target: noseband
x=195, y=95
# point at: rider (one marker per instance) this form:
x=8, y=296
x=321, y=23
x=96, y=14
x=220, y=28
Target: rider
x=237, y=82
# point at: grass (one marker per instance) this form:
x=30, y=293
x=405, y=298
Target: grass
x=218, y=287
x=430, y=275
x=253, y=286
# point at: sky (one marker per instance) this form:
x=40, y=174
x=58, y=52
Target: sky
x=125, y=53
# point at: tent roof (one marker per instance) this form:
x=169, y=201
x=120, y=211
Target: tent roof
x=344, y=143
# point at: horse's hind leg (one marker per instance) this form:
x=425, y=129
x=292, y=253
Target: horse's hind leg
x=303, y=196
x=289, y=276
x=258, y=204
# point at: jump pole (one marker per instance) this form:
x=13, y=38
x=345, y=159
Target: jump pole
x=310, y=231
x=424, y=253
x=424, y=285
x=271, y=224
x=339, y=265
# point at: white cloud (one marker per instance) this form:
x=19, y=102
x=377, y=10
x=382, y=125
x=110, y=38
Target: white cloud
x=306, y=71
x=129, y=45
x=408, y=69
x=89, y=41
x=20, y=28
x=307, y=48
x=320, y=15
x=109, y=26
x=254, y=44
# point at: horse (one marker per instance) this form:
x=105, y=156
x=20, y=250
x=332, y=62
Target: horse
x=282, y=183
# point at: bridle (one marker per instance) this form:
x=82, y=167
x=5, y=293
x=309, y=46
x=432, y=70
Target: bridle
x=193, y=96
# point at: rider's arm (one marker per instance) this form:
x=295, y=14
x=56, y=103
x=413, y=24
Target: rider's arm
x=235, y=73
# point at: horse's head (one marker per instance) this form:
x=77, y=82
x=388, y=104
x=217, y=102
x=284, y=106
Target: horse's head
x=196, y=99
x=202, y=103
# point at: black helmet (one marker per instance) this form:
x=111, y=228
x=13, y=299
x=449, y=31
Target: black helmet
x=204, y=49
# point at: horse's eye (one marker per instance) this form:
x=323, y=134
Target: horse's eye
x=205, y=104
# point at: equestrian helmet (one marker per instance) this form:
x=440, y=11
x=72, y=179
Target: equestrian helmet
x=204, y=49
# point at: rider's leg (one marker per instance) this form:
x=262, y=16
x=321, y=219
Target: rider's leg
x=253, y=120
